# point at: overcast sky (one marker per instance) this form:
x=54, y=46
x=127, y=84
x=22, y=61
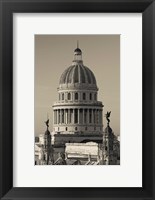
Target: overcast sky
x=54, y=53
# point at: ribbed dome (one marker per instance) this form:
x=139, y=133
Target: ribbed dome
x=77, y=74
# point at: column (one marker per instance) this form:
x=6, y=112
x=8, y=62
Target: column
x=57, y=117
x=63, y=116
x=87, y=116
x=83, y=115
x=78, y=116
x=98, y=114
x=69, y=113
x=66, y=111
x=73, y=120
x=54, y=116
x=60, y=116
x=73, y=96
x=95, y=116
x=92, y=117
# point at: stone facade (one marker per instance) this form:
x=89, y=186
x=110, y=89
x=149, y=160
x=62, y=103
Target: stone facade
x=110, y=156
x=62, y=139
x=45, y=150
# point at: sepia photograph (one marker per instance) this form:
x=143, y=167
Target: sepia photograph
x=77, y=100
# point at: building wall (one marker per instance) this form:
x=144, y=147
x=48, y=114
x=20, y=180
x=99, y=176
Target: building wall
x=80, y=149
x=70, y=129
x=61, y=139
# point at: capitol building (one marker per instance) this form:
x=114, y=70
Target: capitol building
x=77, y=136
x=78, y=113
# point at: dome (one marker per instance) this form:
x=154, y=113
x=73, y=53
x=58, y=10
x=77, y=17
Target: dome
x=77, y=74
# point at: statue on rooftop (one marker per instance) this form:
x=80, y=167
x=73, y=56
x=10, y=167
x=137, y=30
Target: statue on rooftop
x=107, y=115
x=47, y=123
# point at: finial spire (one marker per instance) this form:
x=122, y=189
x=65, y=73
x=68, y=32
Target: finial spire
x=77, y=55
x=77, y=43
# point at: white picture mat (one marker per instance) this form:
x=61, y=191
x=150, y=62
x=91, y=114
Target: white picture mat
x=129, y=172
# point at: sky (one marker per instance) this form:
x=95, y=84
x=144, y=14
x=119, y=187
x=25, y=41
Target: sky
x=54, y=53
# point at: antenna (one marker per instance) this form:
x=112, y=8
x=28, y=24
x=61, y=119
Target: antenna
x=77, y=43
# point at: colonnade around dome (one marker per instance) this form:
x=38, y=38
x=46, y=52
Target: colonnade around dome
x=77, y=119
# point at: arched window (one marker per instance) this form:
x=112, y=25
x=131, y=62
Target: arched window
x=76, y=128
x=76, y=96
x=90, y=96
x=59, y=97
x=66, y=128
x=62, y=96
x=84, y=96
x=69, y=96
